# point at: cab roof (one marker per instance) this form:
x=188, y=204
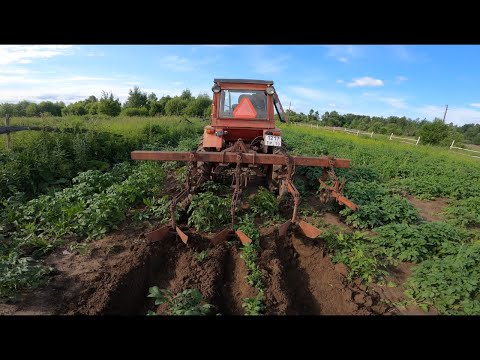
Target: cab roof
x=243, y=81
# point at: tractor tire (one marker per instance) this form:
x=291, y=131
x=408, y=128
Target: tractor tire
x=273, y=172
x=204, y=169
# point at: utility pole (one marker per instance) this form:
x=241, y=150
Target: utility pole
x=445, y=114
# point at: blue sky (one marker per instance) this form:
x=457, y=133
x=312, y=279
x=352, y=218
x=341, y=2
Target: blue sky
x=416, y=81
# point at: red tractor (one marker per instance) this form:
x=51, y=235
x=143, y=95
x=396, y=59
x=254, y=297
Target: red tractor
x=242, y=141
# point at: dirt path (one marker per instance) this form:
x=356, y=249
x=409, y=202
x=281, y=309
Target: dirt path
x=429, y=210
x=301, y=280
x=234, y=285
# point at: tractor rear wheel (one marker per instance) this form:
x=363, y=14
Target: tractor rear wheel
x=204, y=169
x=275, y=170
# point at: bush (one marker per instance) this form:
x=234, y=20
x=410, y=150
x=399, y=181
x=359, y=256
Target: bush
x=135, y=112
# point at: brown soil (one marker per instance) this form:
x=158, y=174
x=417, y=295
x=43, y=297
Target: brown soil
x=115, y=277
x=302, y=280
x=430, y=210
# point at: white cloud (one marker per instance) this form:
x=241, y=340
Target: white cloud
x=25, y=54
x=475, y=105
x=394, y=102
x=401, y=78
x=343, y=59
x=365, y=81
x=339, y=81
x=13, y=70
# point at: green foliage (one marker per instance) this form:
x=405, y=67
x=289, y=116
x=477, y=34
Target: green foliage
x=416, y=243
x=464, y=212
x=450, y=283
x=176, y=106
x=90, y=208
x=198, y=106
x=356, y=252
x=19, y=273
x=208, y=212
x=136, y=100
x=188, y=302
x=108, y=105
x=135, y=112
x=202, y=255
x=264, y=203
x=377, y=207
x=159, y=209
x=254, y=306
x=248, y=227
x=438, y=133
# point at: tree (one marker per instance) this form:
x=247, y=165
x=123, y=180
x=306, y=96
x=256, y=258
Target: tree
x=77, y=108
x=176, y=106
x=136, y=99
x=186, y=95
x=91, y=99
x=198, y=106
x=151, y=100
x=476, y=139
x=438, y=133
x=108, y=105
x=48, y=107
x=32, y=110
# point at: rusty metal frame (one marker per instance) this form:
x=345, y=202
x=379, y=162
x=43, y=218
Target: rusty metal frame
x=246, y=158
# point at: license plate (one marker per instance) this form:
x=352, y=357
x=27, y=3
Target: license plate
x=272, y=140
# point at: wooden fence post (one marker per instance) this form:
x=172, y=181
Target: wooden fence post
x=451, y=146
x=391, y=136
x=9, y=139
x=418, y=140
x=371, y=135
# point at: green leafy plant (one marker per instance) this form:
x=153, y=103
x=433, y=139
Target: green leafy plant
x=187, y=302
x=19, y=273
x=357, y=253
x=377, y=209
x=465, y=212
x=264, y=203
x=417, y=242
x=208, y=211
x=451, y=283
x=254, y=306
x=248, y=227
x=202, y=255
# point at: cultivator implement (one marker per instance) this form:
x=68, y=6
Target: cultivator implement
x=242, y=141
x=246, y=163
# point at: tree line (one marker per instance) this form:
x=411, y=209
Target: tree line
x=434, y=132
x=140, y=104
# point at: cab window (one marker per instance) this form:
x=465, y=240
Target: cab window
x=250, y=104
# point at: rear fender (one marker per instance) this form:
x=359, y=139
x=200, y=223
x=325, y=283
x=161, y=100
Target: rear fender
x=212, y=140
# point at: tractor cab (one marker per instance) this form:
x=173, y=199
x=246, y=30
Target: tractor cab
x=243, y=109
